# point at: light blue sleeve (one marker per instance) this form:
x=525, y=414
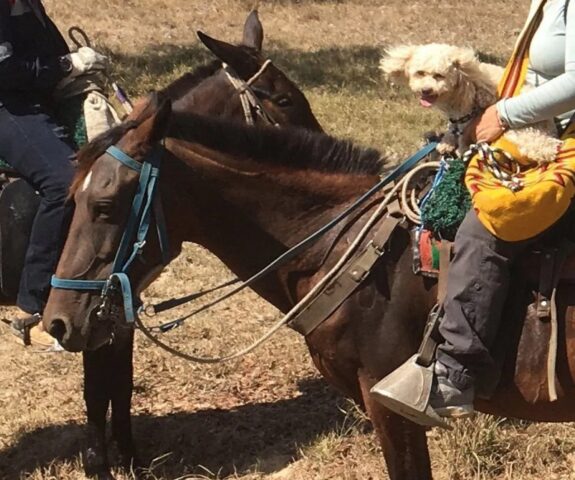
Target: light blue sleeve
x=550, y=99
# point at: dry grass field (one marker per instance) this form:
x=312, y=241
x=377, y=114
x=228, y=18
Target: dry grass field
x=268, y=415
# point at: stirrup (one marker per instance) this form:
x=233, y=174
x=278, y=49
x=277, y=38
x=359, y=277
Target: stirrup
x=407, y=389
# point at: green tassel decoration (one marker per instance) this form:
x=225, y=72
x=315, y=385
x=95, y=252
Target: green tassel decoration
x=448, y=203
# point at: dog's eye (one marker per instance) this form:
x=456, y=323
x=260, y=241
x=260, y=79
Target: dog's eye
x=438, y=76
x=419, y=73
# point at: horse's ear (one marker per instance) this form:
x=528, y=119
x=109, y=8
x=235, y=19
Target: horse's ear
x=471, y=71
x=237, y=57
x=253, y=31
x=395, y=62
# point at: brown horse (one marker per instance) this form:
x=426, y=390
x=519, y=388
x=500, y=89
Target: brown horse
x=266, y=189
x=216, y=90
x=108, y=372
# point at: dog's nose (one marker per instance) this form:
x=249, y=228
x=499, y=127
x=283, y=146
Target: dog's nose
x=427, y=91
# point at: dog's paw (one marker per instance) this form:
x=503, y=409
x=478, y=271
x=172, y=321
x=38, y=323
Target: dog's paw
x=445, y=148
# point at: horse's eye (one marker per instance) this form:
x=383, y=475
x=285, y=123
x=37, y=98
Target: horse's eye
x=438, y=76
x=283, y=101
x=102, y=209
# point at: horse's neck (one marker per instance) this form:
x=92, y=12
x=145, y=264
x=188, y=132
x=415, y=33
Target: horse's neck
x=249, y=219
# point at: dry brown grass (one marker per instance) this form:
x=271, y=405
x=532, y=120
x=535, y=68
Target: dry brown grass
x=267, y=416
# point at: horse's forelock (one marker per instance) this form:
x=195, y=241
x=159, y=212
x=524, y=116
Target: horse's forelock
x=93, y=150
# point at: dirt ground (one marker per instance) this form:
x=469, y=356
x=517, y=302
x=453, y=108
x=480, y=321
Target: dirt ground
x=269, y=415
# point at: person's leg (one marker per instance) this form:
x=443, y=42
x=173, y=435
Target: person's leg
x=37, y=147
x=477, y=287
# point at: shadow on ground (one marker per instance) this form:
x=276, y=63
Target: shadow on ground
x=335, y=68
x=263, y=435
x=353, y=68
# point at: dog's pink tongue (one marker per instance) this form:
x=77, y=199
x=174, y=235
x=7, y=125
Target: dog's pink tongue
x=425, y=103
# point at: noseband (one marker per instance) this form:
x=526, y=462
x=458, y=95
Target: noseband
x=250, y=101
x=145, y=205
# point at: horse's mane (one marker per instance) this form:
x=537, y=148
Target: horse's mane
x=288, y=146
x=181, y=86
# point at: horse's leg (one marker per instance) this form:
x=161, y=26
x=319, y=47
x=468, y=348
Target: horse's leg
x=404, y=443
x=97, y=398
x=121, y=392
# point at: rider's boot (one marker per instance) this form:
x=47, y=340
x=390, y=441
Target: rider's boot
x=421, y=389
x=30, y=330
x=448, y=399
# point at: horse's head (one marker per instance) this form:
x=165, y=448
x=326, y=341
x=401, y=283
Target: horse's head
x=104, y=191
x=248, y=86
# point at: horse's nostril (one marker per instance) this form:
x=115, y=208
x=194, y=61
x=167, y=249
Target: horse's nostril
x=57, y=329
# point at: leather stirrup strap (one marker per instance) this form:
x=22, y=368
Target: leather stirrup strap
x=444, y=262
x=345, y=283
x=546, y=283
x=560, y=256
x=431, y=338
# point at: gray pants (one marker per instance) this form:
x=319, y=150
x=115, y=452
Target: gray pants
x=477, y=287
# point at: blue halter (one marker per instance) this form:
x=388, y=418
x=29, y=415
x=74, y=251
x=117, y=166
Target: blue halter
x=145, y=203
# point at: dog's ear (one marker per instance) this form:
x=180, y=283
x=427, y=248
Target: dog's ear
x=395, y=62
x=464, y=61
x=484, y=76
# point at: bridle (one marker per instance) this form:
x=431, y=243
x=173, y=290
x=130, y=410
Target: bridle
x=145, y=206
x=251, y=104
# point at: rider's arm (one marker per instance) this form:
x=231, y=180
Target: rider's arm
x=24, y=73
x=552, y=98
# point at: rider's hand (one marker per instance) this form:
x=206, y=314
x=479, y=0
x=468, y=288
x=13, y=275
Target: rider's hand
x=488, y=127
x=86, y=60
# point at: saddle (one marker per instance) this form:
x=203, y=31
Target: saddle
x=544, y=299
x=539, y=316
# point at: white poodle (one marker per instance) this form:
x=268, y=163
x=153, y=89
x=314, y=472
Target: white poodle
x=453, y=80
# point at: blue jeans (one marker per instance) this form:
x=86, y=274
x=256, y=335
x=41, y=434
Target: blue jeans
x=40, y=150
